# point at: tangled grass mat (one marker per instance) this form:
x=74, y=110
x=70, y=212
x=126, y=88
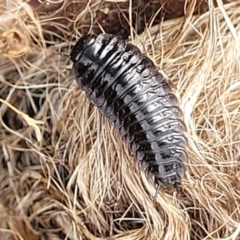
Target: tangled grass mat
x=64, y=171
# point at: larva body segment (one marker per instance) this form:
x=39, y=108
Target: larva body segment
x=137, y=99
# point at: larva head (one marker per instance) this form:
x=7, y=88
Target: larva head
x=90, y=54
x=80, y=46
x=83, y=67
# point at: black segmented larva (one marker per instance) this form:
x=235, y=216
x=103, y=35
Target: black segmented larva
x=137, y=99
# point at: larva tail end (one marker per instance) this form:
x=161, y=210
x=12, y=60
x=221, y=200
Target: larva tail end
x=177, y=186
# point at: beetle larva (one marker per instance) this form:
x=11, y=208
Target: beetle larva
x=137, y=99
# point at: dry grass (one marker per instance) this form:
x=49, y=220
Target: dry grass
x=66, y=174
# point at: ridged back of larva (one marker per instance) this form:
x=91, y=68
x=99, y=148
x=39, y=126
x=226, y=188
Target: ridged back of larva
x=137, y=99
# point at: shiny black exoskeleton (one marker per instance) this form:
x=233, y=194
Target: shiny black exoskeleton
x=137, y=99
